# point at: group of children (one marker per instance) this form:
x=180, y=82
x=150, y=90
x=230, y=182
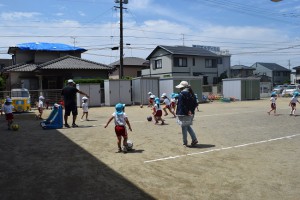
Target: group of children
x=292, y=103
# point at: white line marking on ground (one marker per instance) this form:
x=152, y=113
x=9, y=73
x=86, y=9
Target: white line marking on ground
x=224, y=148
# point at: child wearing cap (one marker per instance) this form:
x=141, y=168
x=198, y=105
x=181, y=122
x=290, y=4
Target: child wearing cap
x=167, y=104
x=293, y=102
x=8, y=110
x=157, y=112
x=120, y=119
x=40, y=107
x=151, y=99
x=85, y=108
x=273, y=103
x=174, y=98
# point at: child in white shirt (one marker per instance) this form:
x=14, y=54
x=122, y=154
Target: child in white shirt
x=273, y=103
x=8, y=110
x=293, y=102
x=85, y=108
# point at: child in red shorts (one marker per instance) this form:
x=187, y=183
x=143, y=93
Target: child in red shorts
x=157, y=112
x=8, y=110
x=121, y=120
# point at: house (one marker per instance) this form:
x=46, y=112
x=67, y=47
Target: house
x=241, y=71
x=5, y=63
x=38, y=66
x=132, y=67
x=277, y=73
x=172, y=61
x=297, y=74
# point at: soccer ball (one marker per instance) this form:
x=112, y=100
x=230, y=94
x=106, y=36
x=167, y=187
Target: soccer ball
x=129, y=145
x=15, y=127
x=149, y=118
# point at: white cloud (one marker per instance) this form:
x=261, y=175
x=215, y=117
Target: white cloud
x=18, y=15
x=81, y=13
x=59, y=14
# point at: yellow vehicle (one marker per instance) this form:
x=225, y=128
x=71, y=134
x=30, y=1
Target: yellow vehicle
x=20, y=100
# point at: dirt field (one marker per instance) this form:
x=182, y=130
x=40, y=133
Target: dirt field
x=243, y=153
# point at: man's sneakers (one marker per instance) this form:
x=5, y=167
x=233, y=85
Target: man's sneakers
x=73, y=125
x=194, y=142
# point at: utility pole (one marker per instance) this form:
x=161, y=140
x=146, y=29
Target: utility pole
x=121, y=74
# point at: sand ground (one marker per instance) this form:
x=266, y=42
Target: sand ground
x=243, y=153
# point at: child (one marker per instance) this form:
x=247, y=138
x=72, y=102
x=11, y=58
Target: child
x=40, y=107
x=151, y=99
x=174, y=98
x=121, y=120
x=167, y=104
x=273, y=103
x=85, y=109
x=8, y=110
x=157, y=112
x=293, y=102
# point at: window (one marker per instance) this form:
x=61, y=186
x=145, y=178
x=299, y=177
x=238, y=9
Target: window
x=220, y=61
x=277, y=73
x=194, y=62
x=158, y=64
x=210, y=63
x=51, y=84
x=285, y=74
x=180, y=62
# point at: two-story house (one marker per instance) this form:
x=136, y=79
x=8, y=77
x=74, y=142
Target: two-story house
x=237, y=71
x=48, y=65
x=277, y=73
x=297, y=74
x=172, y=61
x=132, y=67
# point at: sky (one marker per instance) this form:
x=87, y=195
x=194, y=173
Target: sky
x=251, y=31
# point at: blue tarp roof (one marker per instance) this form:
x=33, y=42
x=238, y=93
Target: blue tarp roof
x=42, y=46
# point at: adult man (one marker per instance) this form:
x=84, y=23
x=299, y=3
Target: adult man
x=69, y=93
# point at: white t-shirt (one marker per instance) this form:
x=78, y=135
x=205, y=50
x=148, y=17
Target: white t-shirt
x=156, y=107
x=41, y=104
x=294, y=100
x=85, y=107
x=167, y=101
x=273, y=99
x=8, y=108
x=119, y=119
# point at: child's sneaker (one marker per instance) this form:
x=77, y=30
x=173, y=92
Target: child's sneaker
x=194, y=142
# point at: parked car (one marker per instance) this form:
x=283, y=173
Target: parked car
x=20, y=100
x=279, y=88
x=290, y=90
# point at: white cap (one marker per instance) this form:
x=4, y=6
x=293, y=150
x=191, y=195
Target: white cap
x=71, y=81
x=84, y=98
x=164, y=95
x=152, y=96
x=182, y=84
x=41, y=98
x=149, y=93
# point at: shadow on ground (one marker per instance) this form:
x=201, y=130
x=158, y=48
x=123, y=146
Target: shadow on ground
x=35, y=165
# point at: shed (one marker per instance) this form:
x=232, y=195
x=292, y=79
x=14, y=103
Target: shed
x=117, y=91
x=167, y=85
x=242, y=88
x=94, y=92
x=141, y=86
